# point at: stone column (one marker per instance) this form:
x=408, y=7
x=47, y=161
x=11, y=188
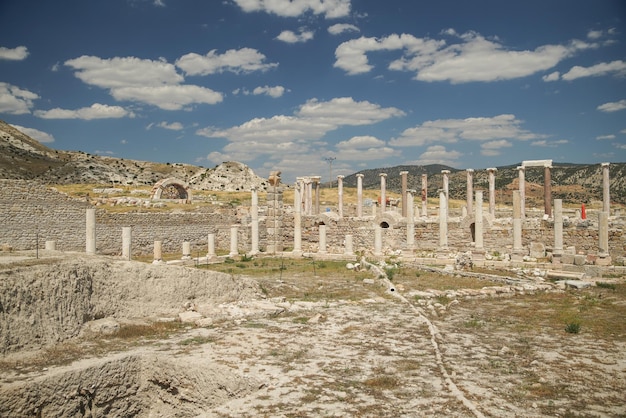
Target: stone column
x=470, y=191
x=322, y=242
x=445, y=174
x=317, y=196
x=234, y=248
x=91, y=231
x=517, y=222
x=211, y=253
x=492, y=191
x=558, y=229
x=443, y=220
x=383, y=192
x=403, y=175
x=521, y=175
x=274, y=219
x=348, y=247
x=603, y=234
x=340, y=195
x=254, y=216
x=126, y=242
x=308, y=196
x=478, y=221
x=547, y=190
x=378, y=240
x=425, y=195
x=606, y=197
x=158, y=252
x=297, y=223
x=410, y=217
x=359, y=195
x=186, y=250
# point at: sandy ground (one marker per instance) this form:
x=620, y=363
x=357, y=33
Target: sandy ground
x=383, y=353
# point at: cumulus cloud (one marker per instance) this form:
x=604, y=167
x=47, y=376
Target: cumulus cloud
x=554, y=76
x=438, y=154
x=291, y=37
x=13, y=54
x=474, y=129
x=36, y=134
x=95, y=111
x=340, y=28
x=142, y=80
x=605, y=68
x=364, y=148
x=492, y=148
x=470, y=58
x=612, y=106
x=174, y=126
x=603, y=137
x=549, y=144
x=288, y=8
x=244, y=60
x=274, y=91
x=14, y=100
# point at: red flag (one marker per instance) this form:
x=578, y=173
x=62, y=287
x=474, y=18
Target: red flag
x=583, y=213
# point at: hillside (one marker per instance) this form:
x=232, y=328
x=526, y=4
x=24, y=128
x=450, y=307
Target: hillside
x=21, y=157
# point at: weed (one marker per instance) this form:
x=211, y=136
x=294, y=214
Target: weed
x=382, y=382
x=605, y=285
x=572, y=327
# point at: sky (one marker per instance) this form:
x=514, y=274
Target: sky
x=314, y=87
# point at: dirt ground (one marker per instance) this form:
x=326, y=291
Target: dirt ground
x=339, y=343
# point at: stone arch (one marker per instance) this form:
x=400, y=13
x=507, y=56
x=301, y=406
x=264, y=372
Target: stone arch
x=172, y=189
x=388, y=220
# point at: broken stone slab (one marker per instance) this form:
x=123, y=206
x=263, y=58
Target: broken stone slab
x=189, y=317
x=577, y=284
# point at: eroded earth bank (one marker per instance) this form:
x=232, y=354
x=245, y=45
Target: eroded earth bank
x=96, y=336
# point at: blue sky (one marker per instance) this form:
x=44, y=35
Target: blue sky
x=279, y=84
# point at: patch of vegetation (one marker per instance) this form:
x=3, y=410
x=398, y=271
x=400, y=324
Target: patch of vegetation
x=572, y=327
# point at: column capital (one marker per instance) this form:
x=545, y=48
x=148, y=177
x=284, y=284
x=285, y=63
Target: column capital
x=605, y=164
x=340, y=177
x=445, y=171
x=382, y=174
x=521, y=168
x=412, y=191
x=492, y=169
x=404, y=173
x=360, y=175
x=469, y=170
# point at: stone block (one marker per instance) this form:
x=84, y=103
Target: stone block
x=567, y=258
x=603, y=261
x=580, y=260
x=537, y=250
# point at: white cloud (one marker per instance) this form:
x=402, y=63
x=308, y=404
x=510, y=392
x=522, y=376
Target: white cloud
x=612, y=106
x=471, y=58
x=237, y=61
x=168, y=97
x=620, y=146
x=454, y=130
x=554, y=76
x=364, y=148
x=13, y=54
x=291, y=37
x=340, y=28
x=595, y=34
x=14, y=100
x=437, y=154
x=614, y=67
x=175, y=126
x=275, y=91
x=549, y=144
x=36, y=134
x=603, y=137
x=492, y=148
x=95, y=111
x=288, y=8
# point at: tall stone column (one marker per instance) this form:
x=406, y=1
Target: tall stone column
x=478, y=221
x=410, y=217
x=308, y=196
x=603, y=234
x=91, y=231
x=317, y=195
x=383, y=192
x=322, y=239
x=274, y=218
x=606, y=196
x=297, y=223
x=470, y=191
x=158, y=252
x=378, y=240
x=517, y=222
x=425, y=195
x=234, y=246
x=126, y=242
x=521, y=176
x=445, y=174
x=492, y=191
x=254, y=216
x=340, y=195
x=359, y=195
x=547, y=190
x=558, y=228
x=211, y=254
x=403, y=177
x=443, y=220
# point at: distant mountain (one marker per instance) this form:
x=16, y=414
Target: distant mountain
x=574, y=183
x=21, y=157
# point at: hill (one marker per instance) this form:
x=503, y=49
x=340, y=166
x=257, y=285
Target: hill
x=21, y=157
